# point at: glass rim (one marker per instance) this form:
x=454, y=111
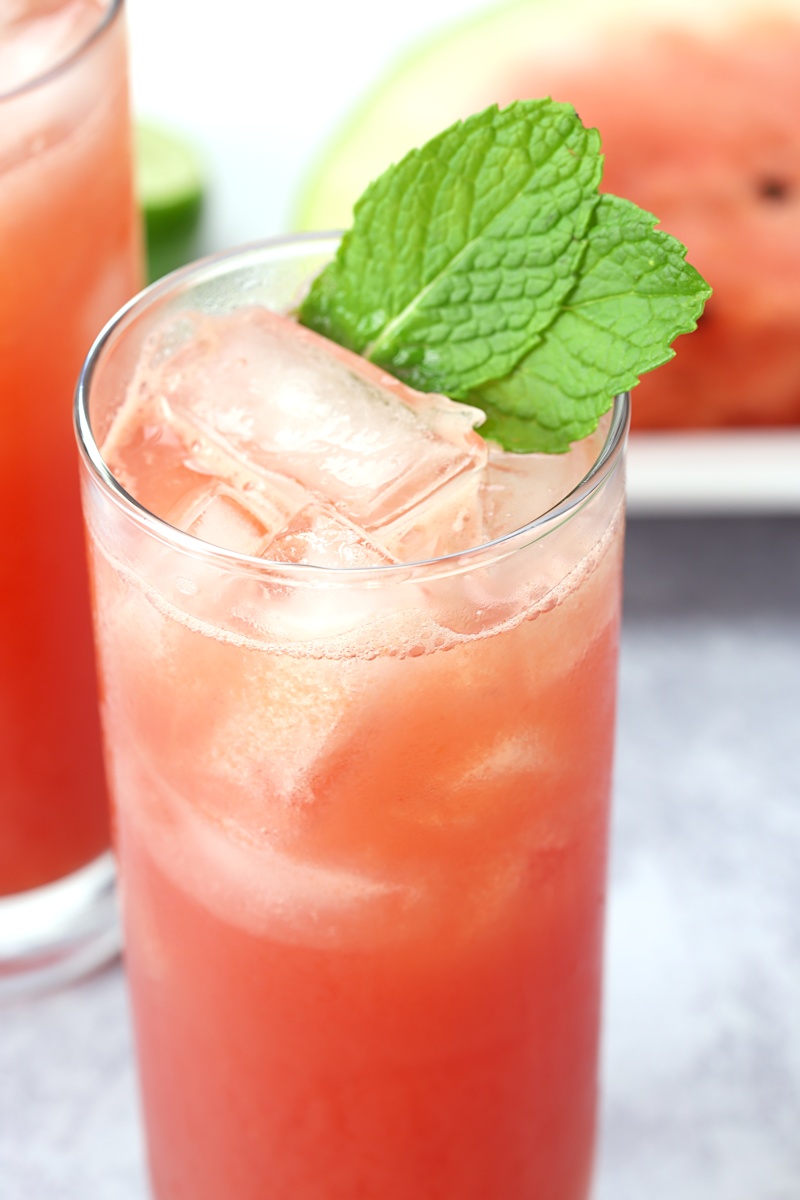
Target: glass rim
x=62, y=65
x=605, y=463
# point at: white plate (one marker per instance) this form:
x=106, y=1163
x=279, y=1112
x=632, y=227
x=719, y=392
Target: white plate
x=710, y=474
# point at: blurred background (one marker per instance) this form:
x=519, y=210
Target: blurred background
x=292, y=113
x=262, y=89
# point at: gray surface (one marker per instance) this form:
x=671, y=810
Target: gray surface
x=702, y=1051
x=702, y=1045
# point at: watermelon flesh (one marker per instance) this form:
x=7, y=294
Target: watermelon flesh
x=699, y=113
x=706, y=135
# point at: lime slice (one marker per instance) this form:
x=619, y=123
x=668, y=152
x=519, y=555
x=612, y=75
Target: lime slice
x=170, y=185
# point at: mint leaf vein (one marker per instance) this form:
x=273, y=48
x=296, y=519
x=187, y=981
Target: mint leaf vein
x=462, y=254
x=635, y=295
x=486, y=265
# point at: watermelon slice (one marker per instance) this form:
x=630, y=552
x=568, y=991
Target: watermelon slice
x=698, y=102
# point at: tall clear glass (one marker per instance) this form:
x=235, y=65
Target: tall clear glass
x=361, y=824
x=69, y=257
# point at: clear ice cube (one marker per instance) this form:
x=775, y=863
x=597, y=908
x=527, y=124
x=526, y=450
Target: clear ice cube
x=518, y=488
x=219, y=517
x=446, y=522
x=337, y=463
x=320, y=536
x=184, y=477
x=147, y=455
x=270, y=394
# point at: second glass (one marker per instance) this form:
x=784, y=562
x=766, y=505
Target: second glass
x=69, y=256
x=361, y=812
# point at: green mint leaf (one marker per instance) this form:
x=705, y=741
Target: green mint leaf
x=462, y=254
x=487, y=266
x=635, y=294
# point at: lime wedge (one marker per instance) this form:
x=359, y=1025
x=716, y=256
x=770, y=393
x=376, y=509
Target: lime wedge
x=170, y=184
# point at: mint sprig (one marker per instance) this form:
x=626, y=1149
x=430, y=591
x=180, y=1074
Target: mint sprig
x=461, y=255
x=487, y=266
x=634, y=295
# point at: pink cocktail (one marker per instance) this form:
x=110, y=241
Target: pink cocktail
x=358, y=677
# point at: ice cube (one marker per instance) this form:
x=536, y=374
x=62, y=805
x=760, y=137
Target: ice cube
x=518, y=488
x=218, y=516
x=291, y=422
x=273, y=895
x=446, y=522
x=147, y=455
x=320, y=536
x=277, y=397
x=185, y=478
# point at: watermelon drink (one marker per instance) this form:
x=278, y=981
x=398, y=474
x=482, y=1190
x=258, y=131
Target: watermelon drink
x=358, y=676
x=69, y=255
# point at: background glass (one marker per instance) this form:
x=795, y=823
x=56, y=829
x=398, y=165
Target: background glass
x=69, y=256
